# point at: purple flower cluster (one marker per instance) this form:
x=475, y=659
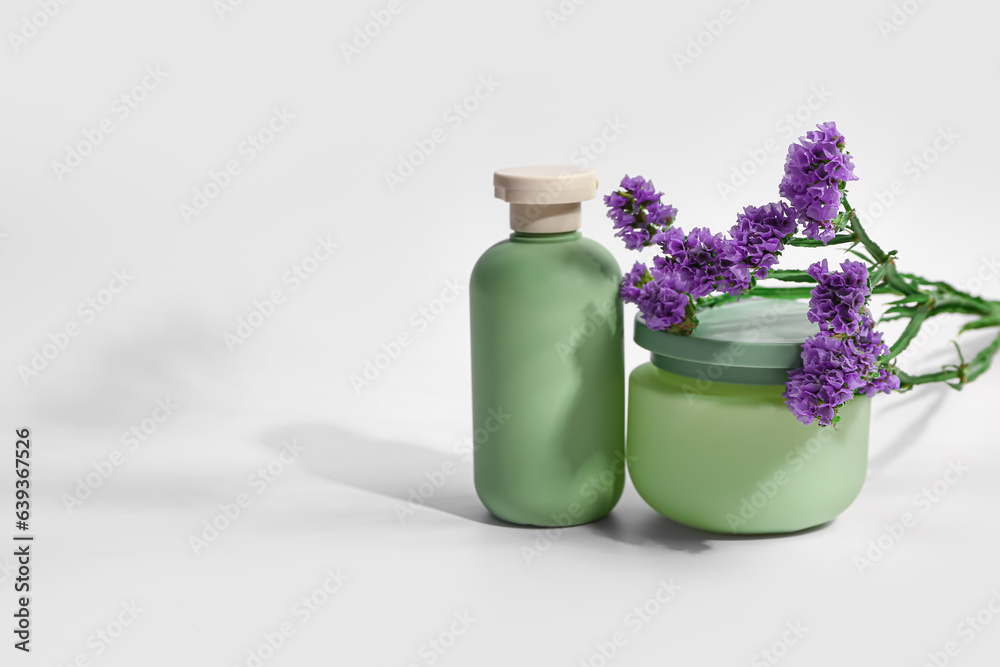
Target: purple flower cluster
x=662, y=299
x=838, y=301
x=846, y=357
x=696, y=263
x=690, y=267
x=842, y=360
x=638, y=211
x=695, y=260
x=758, y=237
x=816, y=171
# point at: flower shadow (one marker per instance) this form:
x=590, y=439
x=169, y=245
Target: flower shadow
x=908, y=437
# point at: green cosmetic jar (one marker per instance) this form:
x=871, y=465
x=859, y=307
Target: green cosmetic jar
x=710, y=441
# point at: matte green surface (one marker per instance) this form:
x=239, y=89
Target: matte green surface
x=731, y=458
x=755, y=341
x=547, y=351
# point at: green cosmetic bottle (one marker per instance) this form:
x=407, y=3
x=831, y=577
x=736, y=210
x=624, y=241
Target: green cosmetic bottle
x=548, y=377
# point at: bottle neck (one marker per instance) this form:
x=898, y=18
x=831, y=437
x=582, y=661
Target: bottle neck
x=545, y=218
x=558, y=237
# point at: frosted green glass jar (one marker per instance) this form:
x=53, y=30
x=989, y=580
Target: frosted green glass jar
x=710, y=441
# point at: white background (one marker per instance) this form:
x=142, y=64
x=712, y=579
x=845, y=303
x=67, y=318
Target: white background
x=769, y=73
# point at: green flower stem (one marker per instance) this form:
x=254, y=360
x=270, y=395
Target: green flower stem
x=839, y=239
x=907, y=381
x=954, y=376
x=713, y=301
x=782, y=292
x=787, y=293
x=890, y=275
x=859, y=232
x=790, y=275
x=911, y=330
x=921, y=300
x=981, y=362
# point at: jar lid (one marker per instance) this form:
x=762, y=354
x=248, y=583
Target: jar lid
x=753, y=341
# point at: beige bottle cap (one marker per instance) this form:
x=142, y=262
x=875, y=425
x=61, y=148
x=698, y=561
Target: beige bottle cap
x=545, y=199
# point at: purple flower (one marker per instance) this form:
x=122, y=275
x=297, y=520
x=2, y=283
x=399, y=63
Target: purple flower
x=695, y=260
x=638, y=212
x=633, y=281
x=842, y=360
x=661, y=299
x=635, y=239
x=758, y=237
x=660, y=214
x=694, y=264
x=663, y=304
x=838, y=300
x=816, y=171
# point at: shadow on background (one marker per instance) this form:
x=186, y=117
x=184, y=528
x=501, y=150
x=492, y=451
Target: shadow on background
x=936, y=395
x=115, y=381
x=393, y=469
x=652, y=529
x=390, y=469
